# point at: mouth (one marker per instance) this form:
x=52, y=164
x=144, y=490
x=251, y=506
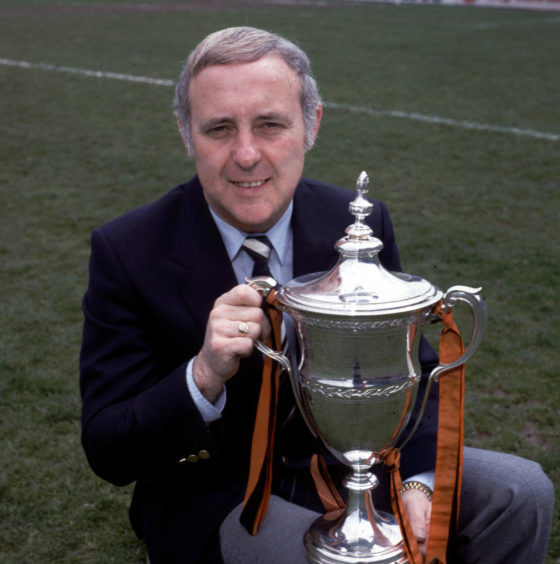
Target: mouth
x=250, y=183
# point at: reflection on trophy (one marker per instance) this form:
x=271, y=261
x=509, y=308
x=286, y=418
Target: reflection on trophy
x=359, y=327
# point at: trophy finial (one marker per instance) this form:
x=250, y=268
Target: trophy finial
x=362, y=183
x=360, y=208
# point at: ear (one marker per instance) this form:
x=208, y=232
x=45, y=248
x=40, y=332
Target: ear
x=319, y=113
x=184, y=137
x=318, y=116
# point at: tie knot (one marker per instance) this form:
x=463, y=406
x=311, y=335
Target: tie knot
x=259, y=245
x=259, y=249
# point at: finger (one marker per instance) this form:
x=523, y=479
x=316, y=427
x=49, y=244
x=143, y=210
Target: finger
x=241, y=295
x=235, y=321
x=247, y=329
x=241, y=347
x=244, y=329
x=221, y=352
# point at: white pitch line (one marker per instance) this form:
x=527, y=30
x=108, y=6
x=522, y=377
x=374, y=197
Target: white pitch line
x=86, y=72
x=346, y=107
x=446, y=121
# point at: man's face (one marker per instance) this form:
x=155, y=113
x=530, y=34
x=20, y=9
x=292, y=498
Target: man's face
x=248, y=139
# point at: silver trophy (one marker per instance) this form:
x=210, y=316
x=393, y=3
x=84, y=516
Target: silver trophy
x=356, y=382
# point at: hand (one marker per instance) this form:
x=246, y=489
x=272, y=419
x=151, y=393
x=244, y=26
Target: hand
x=224, y=346
x=419, y=509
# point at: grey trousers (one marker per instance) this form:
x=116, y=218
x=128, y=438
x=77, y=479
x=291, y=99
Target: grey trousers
x=506, y=515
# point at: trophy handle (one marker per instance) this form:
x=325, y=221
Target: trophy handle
x=278, y=357
x=264, y=285
x=471, y=297
x=454, y=295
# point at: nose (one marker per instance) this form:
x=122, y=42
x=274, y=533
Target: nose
x=246, y=153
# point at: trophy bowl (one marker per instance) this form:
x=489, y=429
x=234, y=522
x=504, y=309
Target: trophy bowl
x=358, y=375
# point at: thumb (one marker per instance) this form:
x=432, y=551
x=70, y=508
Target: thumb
x=418, y=524
x=420, y=530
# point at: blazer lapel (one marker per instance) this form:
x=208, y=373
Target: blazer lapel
x=199, y=248
x=314, y=237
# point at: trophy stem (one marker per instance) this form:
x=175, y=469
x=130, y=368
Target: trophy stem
x=359, y=534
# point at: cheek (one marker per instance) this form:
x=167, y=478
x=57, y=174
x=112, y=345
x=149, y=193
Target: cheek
x=209, y=163
x=291, y=161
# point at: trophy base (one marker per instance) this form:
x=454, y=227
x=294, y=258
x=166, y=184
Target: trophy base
x=355, y=537
x=335, y=539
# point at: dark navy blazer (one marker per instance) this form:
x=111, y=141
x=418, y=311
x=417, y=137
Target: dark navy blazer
x=154, y=276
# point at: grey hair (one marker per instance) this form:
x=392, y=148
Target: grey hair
x=245, y=45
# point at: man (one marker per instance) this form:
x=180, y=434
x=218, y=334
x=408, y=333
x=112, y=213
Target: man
x=169, y=378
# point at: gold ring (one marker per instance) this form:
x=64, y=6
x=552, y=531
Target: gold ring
x=243, y=328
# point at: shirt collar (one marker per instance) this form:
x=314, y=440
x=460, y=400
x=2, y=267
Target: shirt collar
x=279, y=235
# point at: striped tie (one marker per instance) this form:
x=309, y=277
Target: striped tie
x=259, y=249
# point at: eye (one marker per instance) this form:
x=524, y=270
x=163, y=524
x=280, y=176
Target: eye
x=218, y=130
x=271, y=126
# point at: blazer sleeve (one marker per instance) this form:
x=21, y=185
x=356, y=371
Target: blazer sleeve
x=138, y=418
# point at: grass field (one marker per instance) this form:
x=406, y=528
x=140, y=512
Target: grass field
x=454, y=114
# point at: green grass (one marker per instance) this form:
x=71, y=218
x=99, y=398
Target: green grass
x=470, y=207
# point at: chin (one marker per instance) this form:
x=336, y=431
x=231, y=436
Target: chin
x=254, y=223
x=254, y=228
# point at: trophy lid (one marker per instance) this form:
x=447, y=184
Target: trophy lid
x=358, y=284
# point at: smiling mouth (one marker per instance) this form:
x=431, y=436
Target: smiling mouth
x=249, y=184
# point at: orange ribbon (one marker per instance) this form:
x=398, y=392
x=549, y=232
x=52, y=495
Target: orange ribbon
x=328, y=494
x=449, y=459
x=259, y=484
